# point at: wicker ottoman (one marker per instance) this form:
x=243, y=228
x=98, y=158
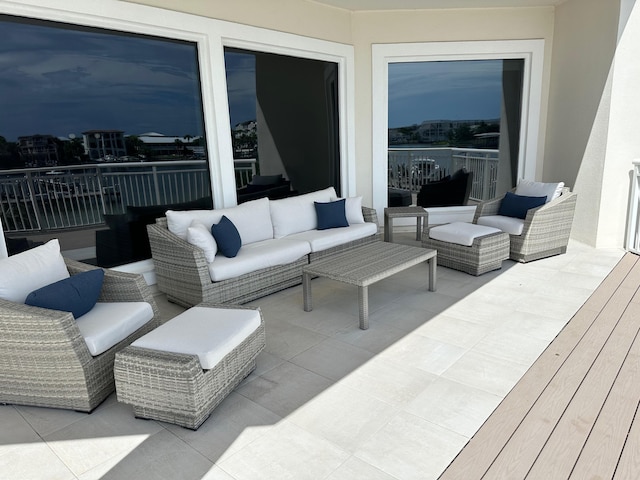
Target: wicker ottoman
x=179, y=372
x=474, y=249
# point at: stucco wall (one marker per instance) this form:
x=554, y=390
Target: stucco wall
x=579, y=102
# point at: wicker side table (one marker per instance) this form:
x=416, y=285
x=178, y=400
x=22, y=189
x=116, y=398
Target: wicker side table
x=403, y=212
x=174, y=387
x=486, y=253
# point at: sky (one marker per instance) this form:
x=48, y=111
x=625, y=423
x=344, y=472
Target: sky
x=446, y=90
x=62, y=81
x=241, y=86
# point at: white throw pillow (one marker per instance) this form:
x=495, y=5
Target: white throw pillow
x=530, y=188
x=352, y=209
x=252, y=219
x=25, y=272
x=297, y=214
x=201, y=237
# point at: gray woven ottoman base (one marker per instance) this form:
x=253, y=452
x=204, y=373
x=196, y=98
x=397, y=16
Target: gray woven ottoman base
x=485, y=254
x=174, y=387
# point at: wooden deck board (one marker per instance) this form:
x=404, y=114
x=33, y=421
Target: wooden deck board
x=552, y=421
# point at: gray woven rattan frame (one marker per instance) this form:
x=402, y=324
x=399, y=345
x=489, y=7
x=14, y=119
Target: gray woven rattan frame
x=182, y=272
x=45, y=362
x=546, y=229
x=173, y=387
x=485, y=254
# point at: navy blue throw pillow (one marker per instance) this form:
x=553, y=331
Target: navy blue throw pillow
x=331, y=214
x=227, y=237
x=517, y=205
x=77, y=294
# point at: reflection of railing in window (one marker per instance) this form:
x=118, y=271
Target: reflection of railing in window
x=409, y=168
x=41, y=199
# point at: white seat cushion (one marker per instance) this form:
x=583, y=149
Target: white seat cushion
x=109, y=323
x=461, y=233
x=209, y=333
x=510, y=225
x=252, y=257
x=320, y=240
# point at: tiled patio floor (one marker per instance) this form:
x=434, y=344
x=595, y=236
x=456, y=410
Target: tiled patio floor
x=328, y=400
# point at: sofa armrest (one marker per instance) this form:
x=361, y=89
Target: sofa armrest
x=555, y=216
x=490, y=207
x=370, y=215
x=118, y=286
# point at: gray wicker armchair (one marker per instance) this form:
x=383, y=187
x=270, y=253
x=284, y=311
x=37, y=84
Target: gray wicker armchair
x=44, y=360
x=546, y=229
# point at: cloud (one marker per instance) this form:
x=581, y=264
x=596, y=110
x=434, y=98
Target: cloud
x=61, y=81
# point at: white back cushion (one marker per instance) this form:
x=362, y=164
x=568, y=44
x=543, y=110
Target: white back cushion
x=25, y=272
x=252, y=219
x=529, y=188
x=297, y=214
x=353, y=210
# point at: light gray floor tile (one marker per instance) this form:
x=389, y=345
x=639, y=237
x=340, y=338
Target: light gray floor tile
x=287, y=452
x=31, y=461
x=511, y=346
x=286, y=340
x=284, y=388
x=344, y=416
x=454, y=331
x=235, y=423
x=332, y=359
x=424, y=353
x=411, y=448
x=161, y=456
x=454, y=406
x=356, y=469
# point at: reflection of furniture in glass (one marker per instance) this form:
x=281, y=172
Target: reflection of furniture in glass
x=126, y=239
x=470, y=248
x=542, y=233
x=451, y=191
x=260, y=186
x=180, y=372
x=364, y=266
x=397, y=197
x=403, y=212
x=44, y=359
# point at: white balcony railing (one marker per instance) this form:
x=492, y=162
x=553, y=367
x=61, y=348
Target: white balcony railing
x=41, y=199
x=410, y=168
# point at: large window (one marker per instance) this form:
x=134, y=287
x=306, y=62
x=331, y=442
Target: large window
x=515, y=69
x=285, y=123
x=99, y=129
x=450, y=115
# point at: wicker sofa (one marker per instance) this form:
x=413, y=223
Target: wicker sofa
x=44, y=359
x=278, y=239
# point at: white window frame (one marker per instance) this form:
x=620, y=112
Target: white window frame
x=531, y=51
x=212, y=36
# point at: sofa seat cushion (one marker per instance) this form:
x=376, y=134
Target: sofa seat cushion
x=252, y=219
x=208, y=333
x=461, y=233
x=320, y=240
x=258, y=255
x=510, y=225
x=297, y=214
x=106, y=324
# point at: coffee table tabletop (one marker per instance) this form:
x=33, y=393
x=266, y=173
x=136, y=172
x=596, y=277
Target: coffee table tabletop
x=365, y=265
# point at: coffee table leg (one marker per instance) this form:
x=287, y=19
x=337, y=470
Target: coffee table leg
x=363, y=302
x=388, y=230
x=419, y=228
x=433, y=263
x=306, y=292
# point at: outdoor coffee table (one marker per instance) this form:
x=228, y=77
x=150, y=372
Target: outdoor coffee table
x=365, y=265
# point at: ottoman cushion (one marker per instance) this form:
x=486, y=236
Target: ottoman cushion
x=510, y=225
x=460, y=233
x=209, y=333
